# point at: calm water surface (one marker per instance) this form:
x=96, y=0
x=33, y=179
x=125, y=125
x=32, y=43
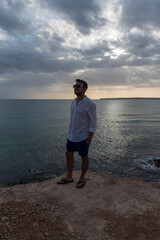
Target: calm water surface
x=33, y=138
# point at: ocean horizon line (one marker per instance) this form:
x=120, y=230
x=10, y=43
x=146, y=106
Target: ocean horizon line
x=116, y=98
x=134, y=98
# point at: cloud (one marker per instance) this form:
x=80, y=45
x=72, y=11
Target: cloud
x=96, y=50
x=35, y=61
x=11, y=17
x=43, y=43
x=141, y=14
x=84, y=14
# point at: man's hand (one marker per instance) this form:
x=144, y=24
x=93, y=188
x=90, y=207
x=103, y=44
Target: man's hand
x=88, y=140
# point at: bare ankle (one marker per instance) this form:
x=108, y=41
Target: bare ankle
x=69, y=177
x=82, y=177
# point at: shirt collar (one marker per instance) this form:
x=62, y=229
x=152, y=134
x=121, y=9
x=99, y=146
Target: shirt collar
x=80, y=101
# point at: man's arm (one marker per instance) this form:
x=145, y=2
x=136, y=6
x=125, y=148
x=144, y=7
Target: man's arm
x=89, y=139
x=93, y=122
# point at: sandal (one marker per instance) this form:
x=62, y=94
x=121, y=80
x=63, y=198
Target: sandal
x=81, y=184
x=64, y=181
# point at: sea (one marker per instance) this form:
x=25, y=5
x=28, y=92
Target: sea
x=33, y=137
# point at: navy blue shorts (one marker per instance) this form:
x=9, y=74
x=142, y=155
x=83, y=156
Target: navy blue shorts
x=81, y=147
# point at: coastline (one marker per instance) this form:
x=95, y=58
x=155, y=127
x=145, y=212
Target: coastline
x=108, y=207
x=131, y=98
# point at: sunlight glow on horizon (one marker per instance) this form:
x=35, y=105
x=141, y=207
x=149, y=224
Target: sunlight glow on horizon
x=95, y=92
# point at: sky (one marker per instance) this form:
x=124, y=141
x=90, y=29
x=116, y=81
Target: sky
x=114, y=45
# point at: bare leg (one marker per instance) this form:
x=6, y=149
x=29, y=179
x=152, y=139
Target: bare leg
x=85, y=164
x=70, y=164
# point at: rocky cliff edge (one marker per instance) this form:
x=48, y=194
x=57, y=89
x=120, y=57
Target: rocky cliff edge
x=108, y=207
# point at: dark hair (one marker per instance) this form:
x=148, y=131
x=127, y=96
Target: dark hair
x=85, y=85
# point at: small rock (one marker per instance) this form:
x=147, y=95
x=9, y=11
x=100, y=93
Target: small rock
x=7, y=223
x=126, y=236
x=35, y=224
x=53, y=209
x=46, y=234
x=4, y=219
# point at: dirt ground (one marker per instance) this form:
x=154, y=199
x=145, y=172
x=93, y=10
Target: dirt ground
x=107, y=207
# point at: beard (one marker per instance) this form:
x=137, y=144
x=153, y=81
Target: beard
x=78, y=93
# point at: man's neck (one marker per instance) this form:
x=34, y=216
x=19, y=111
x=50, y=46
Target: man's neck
x=79, y=98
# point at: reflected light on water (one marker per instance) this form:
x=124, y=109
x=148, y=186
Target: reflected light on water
x=111, y=140
x=126, y=129
x=112, y=126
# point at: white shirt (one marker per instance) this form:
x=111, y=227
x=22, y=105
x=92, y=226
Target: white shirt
x=83, y=119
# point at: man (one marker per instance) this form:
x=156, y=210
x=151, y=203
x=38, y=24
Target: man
x=81, y=130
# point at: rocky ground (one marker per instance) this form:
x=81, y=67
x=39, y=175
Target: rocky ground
x=107, y=207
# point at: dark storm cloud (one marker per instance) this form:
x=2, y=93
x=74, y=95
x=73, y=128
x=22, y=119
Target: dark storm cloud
x=141, y=45
x=35, y=54
x=138, y=21
x=33, y=61
x=141, y=13
x=10, y=16
x=97, y=50
x=33, y=46
x=108, y=62
x=84, y=14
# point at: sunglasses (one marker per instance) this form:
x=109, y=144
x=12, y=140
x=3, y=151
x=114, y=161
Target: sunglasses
x=76, y=86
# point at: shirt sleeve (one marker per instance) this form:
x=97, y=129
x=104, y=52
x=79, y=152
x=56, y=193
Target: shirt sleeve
x=93, y=117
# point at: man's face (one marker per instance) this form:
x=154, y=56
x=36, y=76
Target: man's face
x=78, y=88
